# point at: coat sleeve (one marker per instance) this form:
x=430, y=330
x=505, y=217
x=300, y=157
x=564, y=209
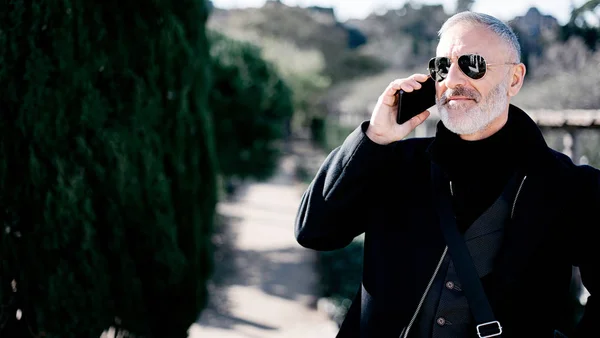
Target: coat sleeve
x=587, y=253
x=334, y=208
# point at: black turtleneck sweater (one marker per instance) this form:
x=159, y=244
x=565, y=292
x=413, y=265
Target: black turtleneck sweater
x=479, y=170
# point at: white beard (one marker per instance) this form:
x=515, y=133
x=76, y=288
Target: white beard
x=462, y=120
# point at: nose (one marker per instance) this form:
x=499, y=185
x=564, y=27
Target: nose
x=455, y=77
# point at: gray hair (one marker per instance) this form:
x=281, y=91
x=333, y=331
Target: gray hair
x=498, y=27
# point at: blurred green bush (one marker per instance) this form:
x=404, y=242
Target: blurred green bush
x=340, y=275
x=327, y=134
x=251, y=106
x=108, y=166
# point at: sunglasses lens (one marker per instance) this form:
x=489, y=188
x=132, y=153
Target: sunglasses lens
x=438, y=68
x=472, y=65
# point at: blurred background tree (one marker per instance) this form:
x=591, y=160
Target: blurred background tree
x=464, y=5
x=252, y=108
x=108, y=167
x=580, y=25
x=562, y=59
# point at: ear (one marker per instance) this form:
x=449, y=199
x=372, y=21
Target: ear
x=517, y=78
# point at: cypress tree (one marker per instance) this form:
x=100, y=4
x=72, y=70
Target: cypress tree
x=107, y=166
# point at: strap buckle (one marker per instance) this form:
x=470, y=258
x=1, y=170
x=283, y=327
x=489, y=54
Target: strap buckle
x=485, y=327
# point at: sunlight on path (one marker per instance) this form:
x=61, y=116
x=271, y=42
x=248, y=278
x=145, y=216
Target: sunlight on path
x=273, y=287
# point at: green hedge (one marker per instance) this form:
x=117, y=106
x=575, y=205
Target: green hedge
x=340, y=275
x=327, y=134
x=252, y=107
x=107, y=164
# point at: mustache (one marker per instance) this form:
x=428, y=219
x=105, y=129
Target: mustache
x=460, y=91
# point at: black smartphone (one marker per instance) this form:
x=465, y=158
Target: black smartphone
x=415, y=102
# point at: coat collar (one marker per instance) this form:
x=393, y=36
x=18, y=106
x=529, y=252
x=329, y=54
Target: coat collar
x=526, y=142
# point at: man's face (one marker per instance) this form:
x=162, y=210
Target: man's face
x=468, y=106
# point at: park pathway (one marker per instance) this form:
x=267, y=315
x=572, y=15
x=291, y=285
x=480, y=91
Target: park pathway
x=264, y=284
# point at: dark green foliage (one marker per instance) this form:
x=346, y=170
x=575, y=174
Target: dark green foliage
x=589, y=34
x=318, y=131
x=579, y=26
x=355, y=37
x=107, y=164
x=252, y=107
x=327, y=134
x=340, y=274
x=351, y=65
x=341, y=271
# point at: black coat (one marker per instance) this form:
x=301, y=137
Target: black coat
x=385, y=192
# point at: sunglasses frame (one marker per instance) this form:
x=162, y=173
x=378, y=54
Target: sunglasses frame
x=430, y=70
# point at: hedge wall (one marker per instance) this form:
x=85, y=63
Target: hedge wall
x=107, y=166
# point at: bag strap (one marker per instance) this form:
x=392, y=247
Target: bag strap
x=487, y=325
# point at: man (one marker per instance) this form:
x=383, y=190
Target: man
x=525, y=211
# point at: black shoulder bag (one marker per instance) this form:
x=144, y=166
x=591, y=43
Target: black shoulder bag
x=487, y=325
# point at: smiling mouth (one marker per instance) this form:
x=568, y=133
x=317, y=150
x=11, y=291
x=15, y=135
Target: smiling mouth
x=458, y=99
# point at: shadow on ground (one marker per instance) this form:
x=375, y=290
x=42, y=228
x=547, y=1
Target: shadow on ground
x=272, y=264
x=277, y=272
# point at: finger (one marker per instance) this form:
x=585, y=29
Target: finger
x=414, y=81
x=411, y=85
x=393, y=88
x=391, y=101
x=415, y=121
x=419, y=77
x=407, y=127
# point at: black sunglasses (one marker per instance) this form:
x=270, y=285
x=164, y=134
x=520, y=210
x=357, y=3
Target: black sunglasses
x=472, y=65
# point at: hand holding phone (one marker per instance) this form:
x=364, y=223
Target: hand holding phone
x=413, y=103
x=383, y=126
